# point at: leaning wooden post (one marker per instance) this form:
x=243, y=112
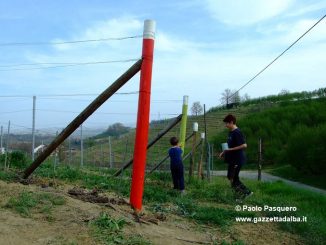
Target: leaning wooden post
x=141, y=138
x=183, y=127
x=200, y=165
x=124, y=78
x=81, y=146
x=164, y=131
x=193, y=150
x=162, y=161
x=189, y=153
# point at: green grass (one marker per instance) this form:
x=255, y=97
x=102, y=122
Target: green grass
x=291, y=173
x=205, y=214
x=27, y=202
x=232, y=243
x=203, y=199
x=311, y=205
x=23, y=203
x=210, y=203
x=109, y=231
x=105, y=222
x=200, y=202
x=7, y=175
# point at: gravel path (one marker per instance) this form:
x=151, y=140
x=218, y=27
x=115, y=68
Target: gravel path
x=271, y=178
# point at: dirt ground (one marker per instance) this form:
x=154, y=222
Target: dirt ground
x=69, y=224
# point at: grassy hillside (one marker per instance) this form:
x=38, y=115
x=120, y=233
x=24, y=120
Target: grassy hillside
x=294, y=139
x=276, y=125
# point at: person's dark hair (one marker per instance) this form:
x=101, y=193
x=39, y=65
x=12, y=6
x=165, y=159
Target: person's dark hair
x=174, y=141
x=230, y=118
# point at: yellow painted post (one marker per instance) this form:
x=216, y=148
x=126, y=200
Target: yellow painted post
x=183, y=127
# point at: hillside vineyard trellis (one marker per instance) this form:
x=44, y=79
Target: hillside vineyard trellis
x=141, y=138
x=69, y=152
x=145, y=66
x=171, y=125
x=104, y=96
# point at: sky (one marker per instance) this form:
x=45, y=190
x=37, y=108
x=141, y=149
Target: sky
x=202, y=47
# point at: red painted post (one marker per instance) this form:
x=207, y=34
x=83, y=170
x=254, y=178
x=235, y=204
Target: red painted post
x=140, y=149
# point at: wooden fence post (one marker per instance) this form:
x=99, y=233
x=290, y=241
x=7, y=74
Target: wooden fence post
x=259, y=159
x=193, y=150
x=200, y=165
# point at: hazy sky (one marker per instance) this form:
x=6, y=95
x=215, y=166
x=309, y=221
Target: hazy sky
x=202, y=47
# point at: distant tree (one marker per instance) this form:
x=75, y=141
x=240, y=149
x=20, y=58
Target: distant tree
x=117, y=129
x=284, y=92
x=245, y=97
x=196, y=108
x=235, y=99
x=321, y=92
x=226, y=96
x=114, y=130
x=230, y=97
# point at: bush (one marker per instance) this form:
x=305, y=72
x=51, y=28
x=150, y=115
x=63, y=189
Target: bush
x=18, y=159
x=307, y=150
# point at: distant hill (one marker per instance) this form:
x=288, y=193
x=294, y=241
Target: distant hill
x=114, y=130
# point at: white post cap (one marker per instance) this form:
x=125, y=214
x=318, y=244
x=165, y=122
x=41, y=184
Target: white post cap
x=202, y=135
x=195, y=127
x=185, y=99
x=149, y=29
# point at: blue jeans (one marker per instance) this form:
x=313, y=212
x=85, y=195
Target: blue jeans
x=177, y=176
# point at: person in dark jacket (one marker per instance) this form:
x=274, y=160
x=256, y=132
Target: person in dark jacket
x=176, y=165
x=235, y=156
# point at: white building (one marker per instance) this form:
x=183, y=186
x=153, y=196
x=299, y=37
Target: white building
x=40, y=148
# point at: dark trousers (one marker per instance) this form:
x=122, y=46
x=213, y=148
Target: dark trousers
x=233, y=176
x=177, y=176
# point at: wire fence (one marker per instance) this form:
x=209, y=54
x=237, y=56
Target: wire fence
x=82, y=150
